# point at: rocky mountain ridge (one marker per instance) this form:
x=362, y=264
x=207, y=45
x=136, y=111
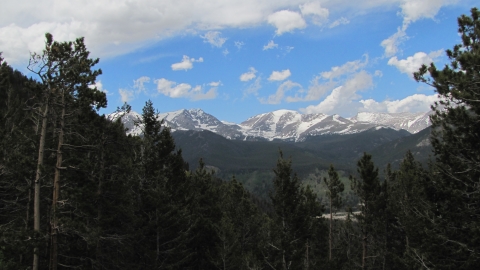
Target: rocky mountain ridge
x=284, y=125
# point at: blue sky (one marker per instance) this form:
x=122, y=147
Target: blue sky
x=235, y=59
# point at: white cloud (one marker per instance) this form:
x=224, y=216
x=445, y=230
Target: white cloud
x=391, y=44
x=315, y=91
x=250, y=75
x=414, y=103
x=342, y=99
x=286, y=21
x=338, y=22
x=99, y=86
x=253, y=88
x=215, y=84
x=116, y=29
x=186, y=63
x=239, y=44
x=279, y=75
x=413, y=10
x=280, y=93
x=413, y=63
x=271, y=44
x=213, y=37
x=225, y=52
x=184, y=90
x=378, y=73
x=313, y=9
x=139, y=84
x=327, y=81
x=126, y=95
x=347, y=68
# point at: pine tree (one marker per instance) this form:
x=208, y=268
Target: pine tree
x=294, y=223
x=334, y=189
x=66, y=73
x=453, y=192
x=406, y=198
x=239, y=230
x=17, y=165
x=368, y=189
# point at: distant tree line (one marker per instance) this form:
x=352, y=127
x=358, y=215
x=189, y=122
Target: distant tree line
x=77, y=192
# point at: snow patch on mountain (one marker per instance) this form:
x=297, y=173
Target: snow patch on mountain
x=281, y=124
x=411, y=122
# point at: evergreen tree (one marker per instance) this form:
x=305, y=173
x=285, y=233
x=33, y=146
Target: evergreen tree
x=406, y=199
x=334, y=189
x=66, y=73
x=453, y=194
x=295, y=221
x=160, y=241
x=368, y=189
x=239, y=230
x=17, y=142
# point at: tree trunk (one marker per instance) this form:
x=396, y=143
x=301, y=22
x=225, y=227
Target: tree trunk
x=364, y=253
x=99, y=197
x=38, y=176
x=330, y=232
x=56, y=191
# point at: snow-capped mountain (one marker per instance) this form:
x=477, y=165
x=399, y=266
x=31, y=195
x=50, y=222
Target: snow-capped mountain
x=193, y=119
x=282, y=124
x=197, y=119
x=411, y=122
x=291, y=125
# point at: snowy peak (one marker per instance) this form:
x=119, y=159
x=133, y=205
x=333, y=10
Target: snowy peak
x=411, y=122
x=291, y=125
x=281, y=124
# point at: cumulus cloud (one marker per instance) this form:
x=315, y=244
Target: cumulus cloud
x=126, y=95
x=342, y=99
x=99, y=86
x=413, y=63
x=239, y=44
x=271, y=44
x=286, y=21
x=414, y=103
x=413, y=10
x=280, y=93
x=184, y=90
x=279, y=75
x=112, y=30
x=339, y=22
x=253, y=88
x=215, y=84
x=250, y=75
x=318, y=14
x=214, y=38
x=347, y=68
x=139, y=84
x=186, y=63
x=327, y=81
x=391, y=44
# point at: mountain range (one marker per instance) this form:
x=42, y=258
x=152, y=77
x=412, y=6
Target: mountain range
x=249, y=150
x=286, y=125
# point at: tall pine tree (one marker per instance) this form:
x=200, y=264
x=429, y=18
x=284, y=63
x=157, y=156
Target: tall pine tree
x=454, y=194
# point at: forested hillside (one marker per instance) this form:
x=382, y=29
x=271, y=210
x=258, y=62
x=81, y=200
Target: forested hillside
x=77, y=192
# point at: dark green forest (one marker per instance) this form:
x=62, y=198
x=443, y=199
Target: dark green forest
x=77, y=193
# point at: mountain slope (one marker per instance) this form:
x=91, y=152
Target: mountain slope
x=412, y=122
x=394, y=151
x=284, y=125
